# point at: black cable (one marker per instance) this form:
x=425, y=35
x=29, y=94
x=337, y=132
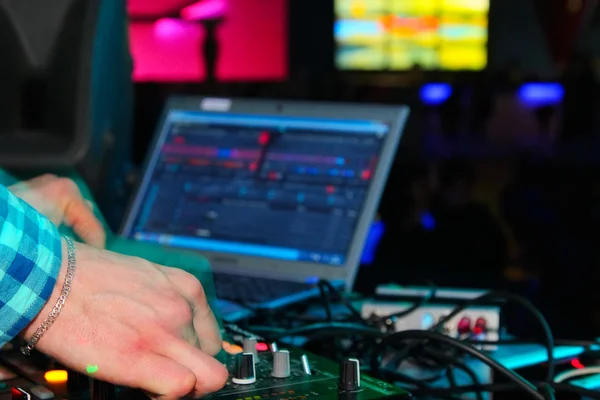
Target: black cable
x=320, y=329
x=342, y=298
x=567, y=388
x=414, y=307
x=471, y=374
x=557, y=342
x=451, y=378
x=453, y=362
x=395, y=376
x=491, y=296
x=505, y=387
x=326, y=303
x=548, y=392
x=399, y=337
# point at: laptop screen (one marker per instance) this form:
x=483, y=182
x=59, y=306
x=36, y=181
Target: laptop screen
x=264, y=186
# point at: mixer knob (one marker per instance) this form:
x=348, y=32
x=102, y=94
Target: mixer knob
x=305, y=365
x=18, y=393
x=41, y=393
x=245, y=370
x=281, y=364
x=249, y=345
x=349, y=375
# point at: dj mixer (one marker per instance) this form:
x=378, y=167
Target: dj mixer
x=257, y=372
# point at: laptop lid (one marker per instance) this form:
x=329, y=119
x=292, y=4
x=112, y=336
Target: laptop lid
x=279, y=189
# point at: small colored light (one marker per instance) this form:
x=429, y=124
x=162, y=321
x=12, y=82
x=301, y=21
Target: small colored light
x=203, y=10
x=577, y=364
x=427, y=221
x=480, y=326
x=91, y=369
x=56, y=376
x=464, y=326
x=263, y=138
x=427, y=321
x=232, y=348
x=541, y=94
x=170, y=28
x=434, y=94
x=262, y=346
x=374, y=237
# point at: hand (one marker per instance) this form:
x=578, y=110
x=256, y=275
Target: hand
x=60, y=200
x=142, y=325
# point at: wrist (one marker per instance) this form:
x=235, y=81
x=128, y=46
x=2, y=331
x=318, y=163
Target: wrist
x=39, y=319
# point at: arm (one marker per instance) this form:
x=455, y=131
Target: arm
x=30, y=259
x=143, y=325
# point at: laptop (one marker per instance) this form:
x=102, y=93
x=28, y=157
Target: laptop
x=276, y=194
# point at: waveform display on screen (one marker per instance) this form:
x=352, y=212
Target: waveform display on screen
x=401, y=34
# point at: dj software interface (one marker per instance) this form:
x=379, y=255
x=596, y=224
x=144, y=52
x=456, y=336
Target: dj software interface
x=277, y=188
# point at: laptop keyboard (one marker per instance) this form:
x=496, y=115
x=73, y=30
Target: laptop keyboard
x=248, y=290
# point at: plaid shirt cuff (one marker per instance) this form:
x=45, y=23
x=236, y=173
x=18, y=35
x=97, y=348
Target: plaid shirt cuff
x=30, y=259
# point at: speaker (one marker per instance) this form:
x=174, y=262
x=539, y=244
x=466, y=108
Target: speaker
x=47, y=49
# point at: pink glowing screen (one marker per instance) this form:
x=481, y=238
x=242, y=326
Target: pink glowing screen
x=167, y=37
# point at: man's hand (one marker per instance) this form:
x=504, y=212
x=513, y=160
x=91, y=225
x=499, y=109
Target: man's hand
x=60, y=200
x=135, y=324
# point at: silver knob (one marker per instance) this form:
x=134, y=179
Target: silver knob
x=249, y=345
x=281, y=364
x=305, y=365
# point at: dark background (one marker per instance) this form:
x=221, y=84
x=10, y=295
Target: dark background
x=527, y=175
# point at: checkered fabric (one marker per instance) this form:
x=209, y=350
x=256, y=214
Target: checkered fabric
x=30, y=258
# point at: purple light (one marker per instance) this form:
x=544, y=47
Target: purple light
x=206, y=9
x=541, y=94
x=170, y=28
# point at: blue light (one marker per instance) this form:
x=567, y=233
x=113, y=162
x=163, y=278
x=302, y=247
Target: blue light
x=373, y=239
x=348, y=28
x=541, y=94
x=427, y=221
x=434, y=94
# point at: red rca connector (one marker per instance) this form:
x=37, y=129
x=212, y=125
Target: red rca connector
x=464, y=326
x=480, y=326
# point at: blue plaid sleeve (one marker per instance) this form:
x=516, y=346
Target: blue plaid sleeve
x=30, y=258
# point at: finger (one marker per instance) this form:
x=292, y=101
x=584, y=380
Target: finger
x=162, y=377
x=210, y=374
x=85, y=224
x=81, y=218
x=209, y=334
x=205, y=323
